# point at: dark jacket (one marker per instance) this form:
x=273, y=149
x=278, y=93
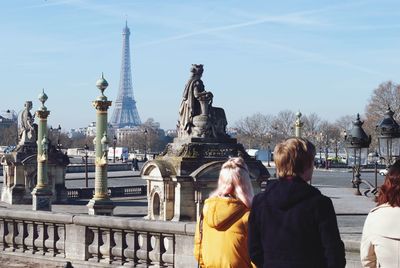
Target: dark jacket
x=292, y=224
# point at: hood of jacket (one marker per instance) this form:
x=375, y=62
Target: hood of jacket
x=221, y=212
x=285, y=193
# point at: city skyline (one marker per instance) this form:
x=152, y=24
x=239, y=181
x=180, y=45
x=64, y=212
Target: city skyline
x=263, y=57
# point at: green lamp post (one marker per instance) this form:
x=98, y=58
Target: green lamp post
x=101, y=204
x=298, y=125
x=41, y=194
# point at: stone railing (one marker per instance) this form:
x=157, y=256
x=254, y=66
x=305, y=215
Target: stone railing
x=78, y=168
x=115, y=191
x=95, y=241
x=101, y=241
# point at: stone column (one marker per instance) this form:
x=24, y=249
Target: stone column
x=298, y=125
x=41, y=194
x=101, y=204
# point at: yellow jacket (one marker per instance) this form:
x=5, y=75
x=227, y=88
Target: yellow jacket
x=224, y=239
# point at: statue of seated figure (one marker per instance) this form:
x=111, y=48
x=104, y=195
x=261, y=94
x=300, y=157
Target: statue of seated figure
x=27, y=129
x=197, y=117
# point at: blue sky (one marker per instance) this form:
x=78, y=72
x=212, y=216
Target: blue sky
x=259, y=56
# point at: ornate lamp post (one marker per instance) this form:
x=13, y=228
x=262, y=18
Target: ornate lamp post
x=58, y=130
x=375, y=158
x=326, y=152
x=101, y=204
x=86, y=147
x=114, y=145
x=41, y=194
x=357, y=143
x=145, y=144
x=269, y=136
x=388, y=138
x=298, y=125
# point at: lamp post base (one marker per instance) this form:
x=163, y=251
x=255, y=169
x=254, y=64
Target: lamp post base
x=41, y=199
x=100, y=207
x=357, y=191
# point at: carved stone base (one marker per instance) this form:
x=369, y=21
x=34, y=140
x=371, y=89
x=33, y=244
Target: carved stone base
x=100, y=207
x=17, y=194
x=41, y=199
x=181, y=178
x=201, y=126
x=61, y=195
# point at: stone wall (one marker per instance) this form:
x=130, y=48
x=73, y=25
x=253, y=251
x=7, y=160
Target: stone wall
x=95, y=241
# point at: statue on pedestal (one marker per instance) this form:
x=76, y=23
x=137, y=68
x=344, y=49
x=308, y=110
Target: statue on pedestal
x=197, y=117
x=184, y=174
x=27, y=129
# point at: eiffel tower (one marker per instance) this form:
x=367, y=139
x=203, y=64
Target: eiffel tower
x=125, y=113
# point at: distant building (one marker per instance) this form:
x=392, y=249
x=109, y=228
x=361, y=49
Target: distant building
x=171, y=133
x=91, y=130
x=231, y=132
x=75, y=133
x=126, y=132
x=8, y=118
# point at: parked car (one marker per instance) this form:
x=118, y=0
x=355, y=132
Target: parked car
x=383, y=172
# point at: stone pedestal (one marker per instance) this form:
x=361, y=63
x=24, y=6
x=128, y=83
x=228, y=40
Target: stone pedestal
x=41, y=199
x=100, y=207
x=179, y=180
x=20, y=175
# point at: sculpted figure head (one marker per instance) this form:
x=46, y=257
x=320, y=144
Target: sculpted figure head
x=28, y=105
x=197, y=70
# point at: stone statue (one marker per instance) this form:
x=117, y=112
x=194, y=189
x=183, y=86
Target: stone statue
x=196, y=101
x=28, y=129
x=197, y=116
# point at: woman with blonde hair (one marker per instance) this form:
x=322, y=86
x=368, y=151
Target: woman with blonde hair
x=380, y=240
x=221, y=233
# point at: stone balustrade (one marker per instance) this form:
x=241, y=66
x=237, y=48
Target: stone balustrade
x=79, y=168
x=96, y=241
x=113, y=191
x=102, y=241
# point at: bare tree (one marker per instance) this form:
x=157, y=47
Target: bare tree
x=254, y=131
x=345, y=122
x=283, y=124
x=385, y=95
x=311, y=125
x=148, y=136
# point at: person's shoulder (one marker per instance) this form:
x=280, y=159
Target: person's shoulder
x=322, y=200
x=380, y=207
x=257, y=199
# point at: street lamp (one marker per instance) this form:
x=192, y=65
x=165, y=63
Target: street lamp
x=114, y=145
x=357, y=143
x=269, y=137
x=58, y=137
x=320, y=156
x=86, y=147
x=269, y=153
x=326, y=152
x=375, y=158
x=58, y=130
x=388, y=137
x=145, y=144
